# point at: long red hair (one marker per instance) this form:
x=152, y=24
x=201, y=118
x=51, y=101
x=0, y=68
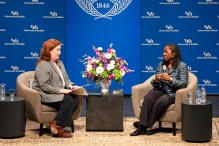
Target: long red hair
x=46, y=48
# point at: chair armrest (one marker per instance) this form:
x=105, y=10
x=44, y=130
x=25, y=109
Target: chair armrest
x=138, y=93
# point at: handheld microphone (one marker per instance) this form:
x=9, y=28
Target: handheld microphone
x=164, y=68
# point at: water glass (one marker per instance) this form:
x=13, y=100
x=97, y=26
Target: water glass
x=190, y=96
x=12, y=93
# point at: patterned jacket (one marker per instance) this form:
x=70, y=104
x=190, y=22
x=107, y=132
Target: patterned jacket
x=179, y=77
x=48, y=82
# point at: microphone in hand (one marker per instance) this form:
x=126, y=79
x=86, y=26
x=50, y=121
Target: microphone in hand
x=164, y=68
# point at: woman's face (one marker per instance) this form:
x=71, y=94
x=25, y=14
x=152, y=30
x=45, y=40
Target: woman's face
x=167, y=54
x=55, y=53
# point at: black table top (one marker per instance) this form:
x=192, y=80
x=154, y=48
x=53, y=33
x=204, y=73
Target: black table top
x=8, y=99
x=194, y=102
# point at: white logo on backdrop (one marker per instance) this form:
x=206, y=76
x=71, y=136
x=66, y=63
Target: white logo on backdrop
x=191, y=70
x=14, y=69
x=33, y=55
x=1, y=29
x=217, y=71
x=14, y=41
x=207, y=55
x=169, y=28
x=207, y=28
x=148, y=69
x=188, y=42
x=2, y=57
x=208, y=2
x=169, y=2
x=34, y=2
x=188, y=15
x=90, y=7
x=53, y=15
x=150, y=42
x=207, y=82
x=150, y=15
x=34, y=28
x=2, y=2
x=14, y=14
x=217, y=44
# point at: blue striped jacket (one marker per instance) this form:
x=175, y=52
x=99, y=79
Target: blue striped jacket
x=179, y=77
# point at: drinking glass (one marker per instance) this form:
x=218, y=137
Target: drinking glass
x=190, y=96
x=12, y=93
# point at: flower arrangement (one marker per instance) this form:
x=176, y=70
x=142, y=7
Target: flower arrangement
x=105, y=66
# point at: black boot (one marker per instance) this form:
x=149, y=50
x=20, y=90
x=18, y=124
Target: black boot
x=141, y=129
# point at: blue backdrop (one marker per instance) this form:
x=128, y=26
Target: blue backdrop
x=24, y=26
x=193, y=26
x=138, y=30
x=85, y=30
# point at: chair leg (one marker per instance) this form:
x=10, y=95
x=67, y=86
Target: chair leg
x=174, y=129
x=72, y=126
x=160, y=124
x=41, y=130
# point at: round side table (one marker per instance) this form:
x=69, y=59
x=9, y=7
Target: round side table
x=196, y=121
x=12, y=113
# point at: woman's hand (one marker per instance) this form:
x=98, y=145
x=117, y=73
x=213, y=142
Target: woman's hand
x=165, y=77
x=65, y=91
x=158, y=77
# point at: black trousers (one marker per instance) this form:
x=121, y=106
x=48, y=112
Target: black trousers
x=154, y=106
x=65, y=108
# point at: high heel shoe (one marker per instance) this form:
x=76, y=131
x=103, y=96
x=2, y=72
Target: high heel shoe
x=140, y=130
x=136, y=124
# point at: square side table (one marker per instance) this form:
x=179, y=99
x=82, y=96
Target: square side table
x=104, y=112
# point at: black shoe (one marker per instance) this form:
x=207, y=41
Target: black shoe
x=141, y=130
x=136, y=124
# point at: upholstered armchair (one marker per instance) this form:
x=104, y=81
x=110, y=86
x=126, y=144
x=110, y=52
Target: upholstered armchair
x=173, y=113
x=34, y=110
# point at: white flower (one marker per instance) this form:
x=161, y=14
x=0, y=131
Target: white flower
x=89, y=67
x=112, y=62
x=100, y=48
x=113, y=51
x=108, y=55
x=99, y=70
x=122, y=72
x=110, y=67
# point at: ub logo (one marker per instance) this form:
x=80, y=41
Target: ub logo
x=14, y=13
x=150, y=14
x=188, y=13
x=53, y=14
x=96, y=7
x=15, y=68
x=14, y=41
x=188, y=41
x=150, y=41
x=169, y=27
x=34, y=54
x=189, y=68
x=207, y=26
x=34, y=26
x=170, y=1
x=149, y=68
x=35, y=1
x=208, y=0
x=207, y=54
x=207, y=82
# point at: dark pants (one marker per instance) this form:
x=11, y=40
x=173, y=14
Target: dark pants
x=154, y=106
x=65, y=108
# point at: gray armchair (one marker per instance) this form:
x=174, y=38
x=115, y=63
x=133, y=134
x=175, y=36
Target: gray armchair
x=34, y=110
x=173, y=113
